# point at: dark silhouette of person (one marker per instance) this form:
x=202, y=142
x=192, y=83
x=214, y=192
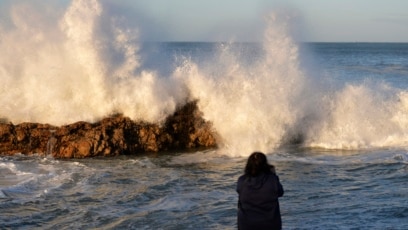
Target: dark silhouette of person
x=258, y=191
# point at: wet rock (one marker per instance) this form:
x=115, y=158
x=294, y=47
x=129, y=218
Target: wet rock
x=112, y=136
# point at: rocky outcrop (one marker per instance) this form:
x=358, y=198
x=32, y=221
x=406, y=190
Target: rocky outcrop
x=112, y=136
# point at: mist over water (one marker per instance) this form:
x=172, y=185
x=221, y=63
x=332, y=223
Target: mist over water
x=332, y=118
x=83, y=67
x=87, y=64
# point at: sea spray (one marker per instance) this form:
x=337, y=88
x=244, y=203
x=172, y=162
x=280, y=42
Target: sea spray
x=252, y=106
x=82, y=68
x=363, y=115
x=85, y=65
x=276, y=101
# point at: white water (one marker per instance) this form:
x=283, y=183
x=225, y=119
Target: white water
x=85, y=65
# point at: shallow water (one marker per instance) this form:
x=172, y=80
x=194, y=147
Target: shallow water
x=323, y=190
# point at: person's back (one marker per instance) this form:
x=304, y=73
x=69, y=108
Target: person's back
x=258, y=206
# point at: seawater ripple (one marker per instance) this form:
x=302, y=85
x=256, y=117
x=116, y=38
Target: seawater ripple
x=197, y=191
x=368, y=195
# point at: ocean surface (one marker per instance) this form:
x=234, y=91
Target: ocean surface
x=331, y=117
x=349, y=188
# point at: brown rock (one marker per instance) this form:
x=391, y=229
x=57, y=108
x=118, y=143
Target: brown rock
x=111, y=136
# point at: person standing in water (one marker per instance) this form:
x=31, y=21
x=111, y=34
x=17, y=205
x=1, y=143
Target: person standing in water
x=258, y=191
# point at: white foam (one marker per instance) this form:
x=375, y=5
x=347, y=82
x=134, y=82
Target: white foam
x=80, y=69
x=251, y=106
x=85, y=65
x=142, y=162
x=262, y=106
x=12, y=168
x=362, y=116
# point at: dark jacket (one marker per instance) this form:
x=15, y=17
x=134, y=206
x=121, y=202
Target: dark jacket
x=258, y=206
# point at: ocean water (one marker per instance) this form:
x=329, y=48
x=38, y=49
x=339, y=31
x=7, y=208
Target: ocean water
x=323, y=190
x=332, y=118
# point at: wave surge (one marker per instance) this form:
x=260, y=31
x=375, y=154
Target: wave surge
x=87, y=65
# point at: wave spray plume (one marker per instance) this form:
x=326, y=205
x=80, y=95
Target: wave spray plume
x=86, y=65
x=82, y=68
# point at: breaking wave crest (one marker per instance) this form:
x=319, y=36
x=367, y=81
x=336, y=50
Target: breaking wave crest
x=86, y=65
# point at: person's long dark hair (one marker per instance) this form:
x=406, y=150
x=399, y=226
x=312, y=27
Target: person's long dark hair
x=257, y=164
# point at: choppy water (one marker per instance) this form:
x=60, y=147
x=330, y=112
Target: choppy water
x=344, y=106
x=323, y=190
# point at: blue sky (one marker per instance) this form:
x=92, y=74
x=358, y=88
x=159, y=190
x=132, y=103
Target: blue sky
x=317, y=20
x=243, y=20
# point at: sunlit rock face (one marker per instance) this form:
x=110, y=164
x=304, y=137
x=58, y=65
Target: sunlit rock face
x=112, y=136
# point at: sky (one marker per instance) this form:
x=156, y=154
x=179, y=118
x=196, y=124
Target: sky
x=317, y=20
x=244, y=20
